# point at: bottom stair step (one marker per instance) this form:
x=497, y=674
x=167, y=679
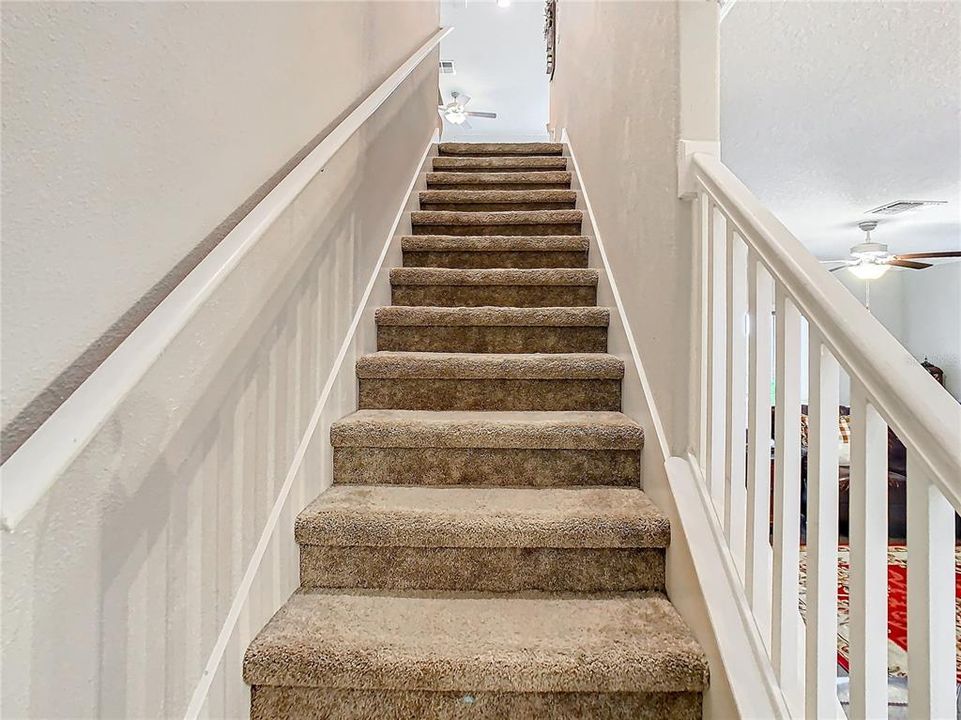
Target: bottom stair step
x=308, y=703
x=432, y=654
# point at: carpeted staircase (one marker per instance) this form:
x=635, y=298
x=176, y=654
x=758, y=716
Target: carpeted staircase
x=486, y=550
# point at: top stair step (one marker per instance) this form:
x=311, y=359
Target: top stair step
x=500, y=149
x=514, y=163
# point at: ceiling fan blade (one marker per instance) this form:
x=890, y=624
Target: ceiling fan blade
x=946, y=253
x=908, y=264
x=481, y=114
x=836, y=260
x=466, y=124
x=839, y=267
x=461, y=99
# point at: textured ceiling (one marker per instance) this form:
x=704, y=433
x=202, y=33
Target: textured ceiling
x=830, y=109
x=499, y=55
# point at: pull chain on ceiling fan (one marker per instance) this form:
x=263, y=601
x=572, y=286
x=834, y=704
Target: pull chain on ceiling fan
x=454, y=111
x=870, y=260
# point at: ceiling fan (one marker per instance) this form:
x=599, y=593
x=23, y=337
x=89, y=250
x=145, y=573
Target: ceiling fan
x=455, y=112
x=870, y=260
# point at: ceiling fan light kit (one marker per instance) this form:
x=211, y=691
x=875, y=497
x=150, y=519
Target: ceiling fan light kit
x=868, y=270
x=455, y=111
x=870, y=260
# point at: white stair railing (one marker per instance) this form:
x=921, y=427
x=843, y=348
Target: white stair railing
x=751, y=266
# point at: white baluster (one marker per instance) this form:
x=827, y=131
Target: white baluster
x=785, y=626
x=736, y=416
x=757, y=580
x=931, y=643
x=822, y=531
x=701, y=217
x=868, y=531
x=715, y=360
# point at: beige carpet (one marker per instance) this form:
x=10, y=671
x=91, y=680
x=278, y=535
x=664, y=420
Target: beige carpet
x=486, y=550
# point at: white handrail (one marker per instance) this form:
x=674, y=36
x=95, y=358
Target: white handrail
x=913, y=404
x=33, y=469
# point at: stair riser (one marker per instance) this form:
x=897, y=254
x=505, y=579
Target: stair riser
x=493, y=467
x=270, y=702
x=488, y=339
x=556, y=167
x=492, y=229
x=495, y=295
x=488, y=394
x=435, y=185
x=496, y=207
x=496, y=259
x=477, y=152
x=482, y=569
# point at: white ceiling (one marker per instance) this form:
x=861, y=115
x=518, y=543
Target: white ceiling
x=500, y=58
x=830, y=109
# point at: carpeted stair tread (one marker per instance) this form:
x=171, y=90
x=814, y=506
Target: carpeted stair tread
x=467, y=199
x=426, y=316
x=508, y=217
x=472, y=642
x=550, y=179
x=411, y=516
x=492, y=329
x=499, y=164
x=495, y=243
x=500, y=149
x=584, y=277
x=558, y=430
x=490, y=366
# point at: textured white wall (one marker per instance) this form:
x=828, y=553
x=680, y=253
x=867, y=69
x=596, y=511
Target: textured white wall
x=616, y=92
x=131, y=131
x=117, y=585
x=922, y=310
x=932, y=320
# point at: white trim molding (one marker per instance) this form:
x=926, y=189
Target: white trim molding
x=686, y=181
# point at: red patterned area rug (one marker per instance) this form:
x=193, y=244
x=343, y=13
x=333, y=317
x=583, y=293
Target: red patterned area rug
x=897, y=607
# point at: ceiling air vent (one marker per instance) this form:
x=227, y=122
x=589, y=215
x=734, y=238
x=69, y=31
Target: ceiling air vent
x=900, y=206
x=447, y=67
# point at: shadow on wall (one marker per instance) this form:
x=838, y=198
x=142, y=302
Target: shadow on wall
x=118, y=583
